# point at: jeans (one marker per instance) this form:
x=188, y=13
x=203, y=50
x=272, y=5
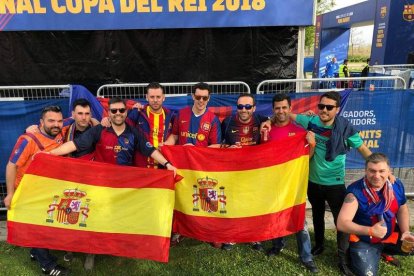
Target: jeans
x=365, y=257
x=303, y=242
x=334, y=195
x=45, y=259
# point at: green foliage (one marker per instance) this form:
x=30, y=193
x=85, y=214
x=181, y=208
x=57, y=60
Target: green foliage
x=357, y=58
x=322, y=6
x=195, y=258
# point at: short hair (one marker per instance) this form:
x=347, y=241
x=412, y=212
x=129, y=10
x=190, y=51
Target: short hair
x=280, y=98
x=333, y=95
x=248, y=96
x=202, y=86
x=116, y=100
x=368, y=59
x=50, y=108
x=154, y=85
x=376, y=158
x=345, y=60
x=82, y=102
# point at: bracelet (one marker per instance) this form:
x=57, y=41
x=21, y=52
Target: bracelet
x=370, y=232
x=166, y=163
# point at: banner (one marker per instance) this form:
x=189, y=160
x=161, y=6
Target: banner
x=33, y=15
x=248, y=194
x=81, y=206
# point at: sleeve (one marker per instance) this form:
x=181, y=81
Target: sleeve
x=399, y=191
x=142, y=145
x=355, y=141
x=215, y=132
x=262, y=118
x=132, y=117
x=303, y=120
x=175, y=128
x=224, y=127
x=88, y=139
x=22, y=151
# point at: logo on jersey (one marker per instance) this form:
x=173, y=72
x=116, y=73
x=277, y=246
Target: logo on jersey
x=201, y=137
x=117, y=148
x=126, y=141
x=148, y=145
x=206, y=126
x=208, y=197
x=246, y=129
x=408, y=13
x=72, y=207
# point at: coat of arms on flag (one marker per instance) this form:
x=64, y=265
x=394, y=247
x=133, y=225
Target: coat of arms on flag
x=209, y=196
x=70, y=208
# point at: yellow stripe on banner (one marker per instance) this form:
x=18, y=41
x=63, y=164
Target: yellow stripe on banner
x=246, y=193
x=145, y=211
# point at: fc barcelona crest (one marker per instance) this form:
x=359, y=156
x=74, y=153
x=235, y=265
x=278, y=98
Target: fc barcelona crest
x=408, y=13
x=71, y=208
x=206, y=195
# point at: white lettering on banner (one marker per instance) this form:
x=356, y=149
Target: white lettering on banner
x=371, y=137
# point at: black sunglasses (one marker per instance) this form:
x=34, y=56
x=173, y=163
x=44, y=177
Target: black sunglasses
x=247, y=106
x=197, y=97
x=328, y=107
x=115, y=110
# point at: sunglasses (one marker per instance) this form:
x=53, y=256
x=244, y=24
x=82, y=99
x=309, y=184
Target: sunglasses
x=205, y=98
x=327, y=106
x=246, y=106
x=115, y=110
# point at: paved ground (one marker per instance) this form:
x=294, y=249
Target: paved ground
x=328, y=219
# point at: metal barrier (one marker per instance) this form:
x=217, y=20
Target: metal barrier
x=329, y=84
x=34, y=92
x=137, y=90
x=390, y=69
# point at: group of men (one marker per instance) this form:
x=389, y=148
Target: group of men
x=148, y=127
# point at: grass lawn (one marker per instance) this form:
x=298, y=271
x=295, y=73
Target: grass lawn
x=195, y=258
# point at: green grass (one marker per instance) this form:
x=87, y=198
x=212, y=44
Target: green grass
x=196, y=258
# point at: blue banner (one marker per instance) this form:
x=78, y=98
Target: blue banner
x=151, y=14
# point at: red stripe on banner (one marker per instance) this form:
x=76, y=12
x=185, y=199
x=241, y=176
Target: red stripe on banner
x=260, y=156
x=126, y=245
x=305, y=104
x=249, y=229
x=99, y=174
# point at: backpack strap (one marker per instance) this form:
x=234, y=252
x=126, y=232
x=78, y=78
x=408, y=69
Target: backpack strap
x=34, y=138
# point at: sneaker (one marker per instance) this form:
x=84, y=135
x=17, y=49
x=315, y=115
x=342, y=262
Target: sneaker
x=390, y=260
x=310, y=266
x=89, y=262
x=216, y=244
x=317, y=250
x=32, y=257
x=68, y=257
x=257, y=246
x=176, y=239
x=274, y=251
x=227, y=246
x=57, y=271
x=345, y=270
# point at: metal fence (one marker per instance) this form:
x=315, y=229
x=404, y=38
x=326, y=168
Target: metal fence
x=34, y=92
x=329, y=84
x=390, y=69
x=137, y=90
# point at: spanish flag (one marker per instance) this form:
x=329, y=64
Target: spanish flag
x=82, y=206
x=254, y=193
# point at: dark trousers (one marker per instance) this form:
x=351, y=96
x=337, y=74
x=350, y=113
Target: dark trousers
x=45, y=259
x=334, y=195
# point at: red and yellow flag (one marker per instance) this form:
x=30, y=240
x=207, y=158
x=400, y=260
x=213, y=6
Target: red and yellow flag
x=81, y=206
x=250, y=194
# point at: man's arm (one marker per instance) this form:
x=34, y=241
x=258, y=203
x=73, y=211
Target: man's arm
x=11, y=171
x=64, y=149
x=403, y=218
x=171, y=140
x=364, y=151
x=347, y=214
x=157, y=156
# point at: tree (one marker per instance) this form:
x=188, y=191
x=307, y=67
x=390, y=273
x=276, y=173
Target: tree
x=322, y=6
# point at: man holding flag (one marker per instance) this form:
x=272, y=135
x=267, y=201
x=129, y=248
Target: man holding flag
x=48, y=138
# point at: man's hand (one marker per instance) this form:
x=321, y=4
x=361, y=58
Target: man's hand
x=138, y=106
x=308, y=113
x=172, y=168
x=188, y=144
x=310, y=137
x=392, y=178
x=7, y=200
x=32, y=129
x=407, y=236
x=266, y=124
x=378, y=230
x=105, y=122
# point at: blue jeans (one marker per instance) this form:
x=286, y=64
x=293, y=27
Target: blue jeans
x=303, y=242
x=365, y=257
x=45, y=259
